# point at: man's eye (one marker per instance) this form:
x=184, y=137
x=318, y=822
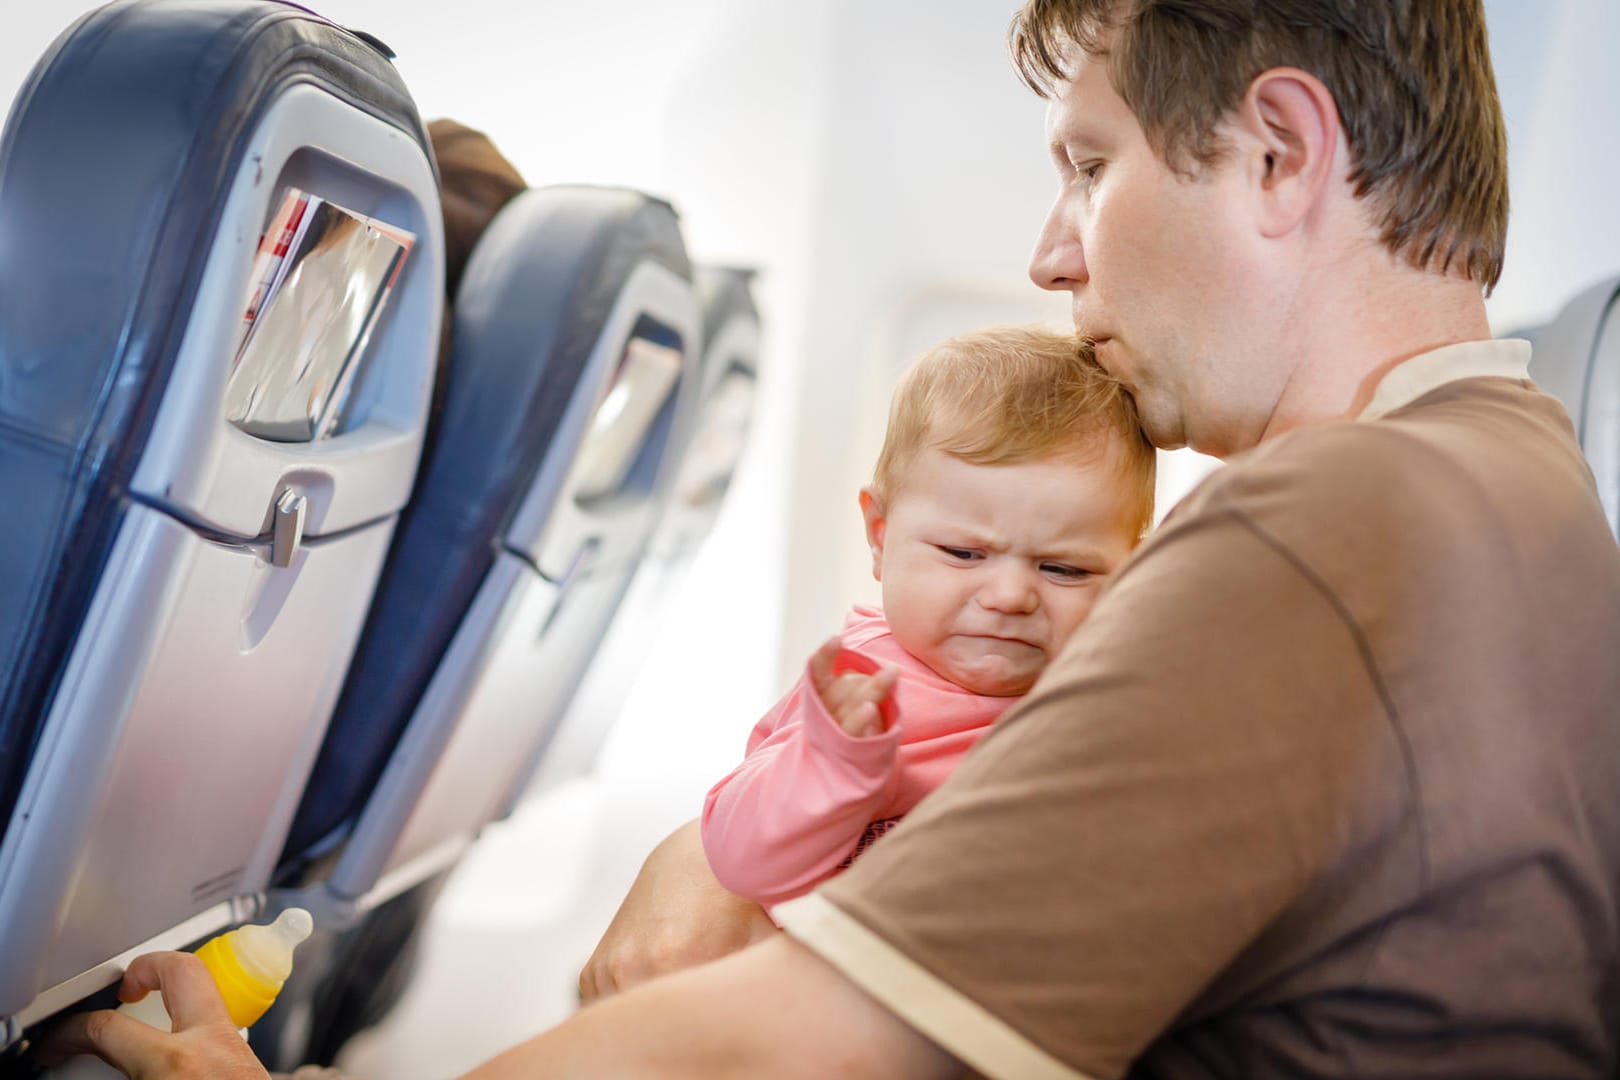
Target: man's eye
x=1086, y=171
x=1069, y=573
x=964, y=554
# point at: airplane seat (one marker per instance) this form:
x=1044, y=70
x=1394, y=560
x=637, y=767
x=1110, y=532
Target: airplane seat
x=570, y=385
x=573, y=332
x=1577, y=360
x=708, y=462
x=180, y=592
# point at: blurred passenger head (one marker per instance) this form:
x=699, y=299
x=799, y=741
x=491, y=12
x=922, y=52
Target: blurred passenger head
x=1013, y=480
x=1245, y=185
x=475, y=181
x=1007, y=394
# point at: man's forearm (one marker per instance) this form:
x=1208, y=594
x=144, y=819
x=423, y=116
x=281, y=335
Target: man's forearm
x=773, y=1010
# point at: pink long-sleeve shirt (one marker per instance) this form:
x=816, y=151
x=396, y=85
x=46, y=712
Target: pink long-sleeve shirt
x=795, y=810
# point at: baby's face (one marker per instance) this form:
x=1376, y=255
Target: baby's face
x=987, y=569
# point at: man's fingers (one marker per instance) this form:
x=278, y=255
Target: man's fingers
x=188, y=990
x=121, y=1041
x=598, y=979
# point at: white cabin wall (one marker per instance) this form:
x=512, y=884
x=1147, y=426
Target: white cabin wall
x=1560, y=91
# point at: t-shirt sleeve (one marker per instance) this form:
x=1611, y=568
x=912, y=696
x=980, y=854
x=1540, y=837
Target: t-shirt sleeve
x=1178, y=777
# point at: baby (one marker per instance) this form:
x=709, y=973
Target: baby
x=1013, y=480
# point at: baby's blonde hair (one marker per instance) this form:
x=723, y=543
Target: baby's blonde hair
x=1009, y=394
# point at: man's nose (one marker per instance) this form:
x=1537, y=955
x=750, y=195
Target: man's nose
x=1009, y=588
x=1058, y=261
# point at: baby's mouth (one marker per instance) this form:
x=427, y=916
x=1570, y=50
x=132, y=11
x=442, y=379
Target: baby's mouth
x=1011, y=640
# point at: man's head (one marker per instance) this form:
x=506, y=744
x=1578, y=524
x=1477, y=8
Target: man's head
x=1228, y=163
x=1013, y=479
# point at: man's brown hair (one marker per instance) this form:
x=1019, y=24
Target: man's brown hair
x=1008, y=394
x=1412, y=80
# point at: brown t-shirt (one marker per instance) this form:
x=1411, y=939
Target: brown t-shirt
x=1328, y=785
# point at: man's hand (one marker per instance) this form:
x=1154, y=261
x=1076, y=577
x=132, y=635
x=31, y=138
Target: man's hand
x=858, y=700
x=204, y=1045
x=676, y=916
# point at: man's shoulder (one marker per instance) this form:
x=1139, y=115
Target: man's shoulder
x=1463, y=453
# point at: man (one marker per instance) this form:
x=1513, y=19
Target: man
x=1329, y=784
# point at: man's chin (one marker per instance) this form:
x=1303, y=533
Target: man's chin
x=1163, y=427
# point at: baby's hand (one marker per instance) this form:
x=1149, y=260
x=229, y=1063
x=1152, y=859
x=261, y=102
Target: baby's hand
x=852, y=698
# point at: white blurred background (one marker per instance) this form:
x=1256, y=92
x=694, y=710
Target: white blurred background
x=882, y=167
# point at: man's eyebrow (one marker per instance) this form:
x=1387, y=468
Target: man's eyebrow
x=1072, y=136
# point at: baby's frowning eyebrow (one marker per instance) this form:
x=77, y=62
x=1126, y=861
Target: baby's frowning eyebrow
x=958, y=536
x=1082, y=557
x=981, y=541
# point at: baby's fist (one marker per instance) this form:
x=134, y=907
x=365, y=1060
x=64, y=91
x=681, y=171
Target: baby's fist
x=854, y=699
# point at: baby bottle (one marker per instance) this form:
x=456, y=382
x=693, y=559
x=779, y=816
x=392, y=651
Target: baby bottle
x=249, y=964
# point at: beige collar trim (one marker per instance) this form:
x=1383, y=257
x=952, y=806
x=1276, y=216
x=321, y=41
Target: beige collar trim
x=1411, y=379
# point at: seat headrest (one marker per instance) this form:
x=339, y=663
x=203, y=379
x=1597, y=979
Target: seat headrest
x=1577, y=360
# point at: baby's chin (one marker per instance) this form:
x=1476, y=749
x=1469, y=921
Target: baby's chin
x=994, y=674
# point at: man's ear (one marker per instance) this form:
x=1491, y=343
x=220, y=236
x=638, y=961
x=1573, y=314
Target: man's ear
x=1288, y=127
x=876, y=523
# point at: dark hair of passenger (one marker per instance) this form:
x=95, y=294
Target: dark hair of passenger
x=475, y=181
x=1412, y=80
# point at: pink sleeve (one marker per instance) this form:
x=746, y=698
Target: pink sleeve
x=788, y=816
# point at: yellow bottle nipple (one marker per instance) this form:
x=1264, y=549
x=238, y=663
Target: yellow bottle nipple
x=250, y=963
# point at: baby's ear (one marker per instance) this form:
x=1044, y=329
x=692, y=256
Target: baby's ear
x=872, y=510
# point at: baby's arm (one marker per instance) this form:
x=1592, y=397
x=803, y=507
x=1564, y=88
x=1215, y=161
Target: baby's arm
x=796, y=807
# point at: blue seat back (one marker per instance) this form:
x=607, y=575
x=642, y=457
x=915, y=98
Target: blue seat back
x=707, y=461
x=163, y=683
x=571, y=296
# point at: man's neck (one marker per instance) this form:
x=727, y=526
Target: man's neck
x=1350, y=334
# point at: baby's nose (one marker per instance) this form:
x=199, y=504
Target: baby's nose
x=1011, y=589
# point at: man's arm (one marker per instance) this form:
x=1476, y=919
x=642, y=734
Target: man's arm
x=676, y=916
x=777, y=1010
